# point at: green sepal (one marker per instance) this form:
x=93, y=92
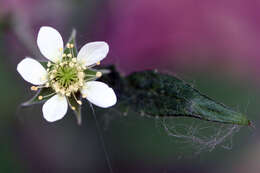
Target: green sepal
x=46, y=93
x=44, y=64
x=72, y=40
x=90, y=71
x=90, y=74
x=160, y=95
x=73, y=103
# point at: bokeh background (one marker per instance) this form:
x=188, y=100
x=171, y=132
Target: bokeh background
x=213, y=44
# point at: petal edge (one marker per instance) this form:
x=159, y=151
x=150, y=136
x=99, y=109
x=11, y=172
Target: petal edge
x=32, y=71
x=55, y=108
x=93, y=52
x=99, y=93
x=50, y=43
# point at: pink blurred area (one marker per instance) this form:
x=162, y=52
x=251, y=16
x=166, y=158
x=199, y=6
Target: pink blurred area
x=35, y=11
x=204, y=35
x=173, y=35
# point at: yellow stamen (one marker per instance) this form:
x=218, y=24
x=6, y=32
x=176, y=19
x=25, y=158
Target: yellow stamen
x=71, y=64
x=43, y=78
x=62, y=64
x=79, y=102
x=49, y=64
x=98, y=63
x=98, y=74
x=81, y=74
x=75, y=88
x=52, y=76
x=74, y=59
x=62, y=92
x=56, y=59
x=40, y=97
x=81, y=84
x=34, y=88
x=73, y=108
x=69, y=55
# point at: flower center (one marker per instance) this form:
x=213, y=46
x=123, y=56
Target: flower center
x=66, y=77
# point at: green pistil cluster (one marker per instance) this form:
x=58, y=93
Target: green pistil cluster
x=66, y=77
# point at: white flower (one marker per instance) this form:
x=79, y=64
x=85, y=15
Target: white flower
x=66, y=74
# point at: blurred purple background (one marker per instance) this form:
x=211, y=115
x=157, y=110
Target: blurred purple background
x=214, y=43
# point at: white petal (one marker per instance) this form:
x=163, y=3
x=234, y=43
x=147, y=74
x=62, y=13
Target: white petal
x=32, y=71
x=93, y=52
x=55, y=108
x=99, y=93
x=50, y=43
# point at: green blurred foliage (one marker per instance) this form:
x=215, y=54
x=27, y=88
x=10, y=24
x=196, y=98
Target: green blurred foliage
x=10, y=160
